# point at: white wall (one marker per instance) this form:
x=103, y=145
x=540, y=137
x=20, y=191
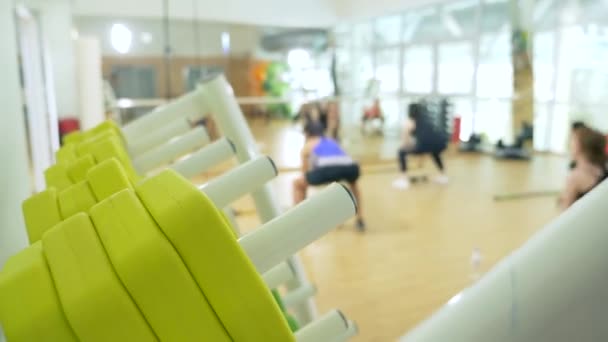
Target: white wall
x=305, y=13
x=14, y=177
x=243, y=38
x=56, y=25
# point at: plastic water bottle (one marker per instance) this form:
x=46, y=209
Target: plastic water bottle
x=476, y=259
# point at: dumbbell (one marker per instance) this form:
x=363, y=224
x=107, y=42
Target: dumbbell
x=138, y=145
x=179, y=209
x=103, y=142
x=42, y=210
x=48, y=208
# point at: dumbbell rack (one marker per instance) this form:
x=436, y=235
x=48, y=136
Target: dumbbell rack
x=216, y=97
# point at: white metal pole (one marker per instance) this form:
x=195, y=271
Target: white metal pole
x=158, y=136
x=219, y=96
x=287, y=234
x=229, y=212
x=205, y=158
x=239, y=181
x=187, y=106
x=553, y=288
x=299, y=295
x=351, y=331
x=171, y=150
x=278, y=275
x=327, y=328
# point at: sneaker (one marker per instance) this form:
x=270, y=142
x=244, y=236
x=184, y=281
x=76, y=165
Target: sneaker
x=401, y=183
x=360, y=225
x=443, y=180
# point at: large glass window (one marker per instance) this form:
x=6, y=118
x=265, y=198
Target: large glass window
x=344, y=72
x=433, y=49
x=495, y=72
x=134, y=81
x=343, y=35
x=387, y=69
x=418, y=70
x=455, y=68
x=493, y=119
x=362, y=69
x=363, y=34
x=544, y=65
x=388, y=30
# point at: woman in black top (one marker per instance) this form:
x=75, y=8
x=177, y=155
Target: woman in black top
x=421, y=137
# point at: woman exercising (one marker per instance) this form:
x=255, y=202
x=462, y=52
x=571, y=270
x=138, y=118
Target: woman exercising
x=420, y=136
x=323, y=162
x=587, y=149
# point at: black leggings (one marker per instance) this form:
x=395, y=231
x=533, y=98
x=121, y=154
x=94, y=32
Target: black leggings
x=436, y=154
x=338, y=173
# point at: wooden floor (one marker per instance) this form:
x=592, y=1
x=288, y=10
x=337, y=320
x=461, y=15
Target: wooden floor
x=417, y=251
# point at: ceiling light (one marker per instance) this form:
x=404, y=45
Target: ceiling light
x=121, y=38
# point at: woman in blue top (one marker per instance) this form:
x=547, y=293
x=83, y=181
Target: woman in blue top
x=323, y=162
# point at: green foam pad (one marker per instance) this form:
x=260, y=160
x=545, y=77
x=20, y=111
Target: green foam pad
x=77, y=170
x=108, y=178
x=66, y=154
x=73, y=137
x=56, y=176
x=29, y=307
x=85, y=147
x=40, y=212
x=94, y=300
x=76, y=199
x=113, y=148
x=153, y=273
x=106, y=126
x=199, y=232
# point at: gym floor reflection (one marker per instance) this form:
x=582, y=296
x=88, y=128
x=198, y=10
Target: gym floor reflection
x=417, y=251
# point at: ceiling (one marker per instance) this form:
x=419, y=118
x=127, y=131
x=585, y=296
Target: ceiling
x=282, y=13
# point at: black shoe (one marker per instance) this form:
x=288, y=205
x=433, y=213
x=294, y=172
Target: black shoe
x=360, y=225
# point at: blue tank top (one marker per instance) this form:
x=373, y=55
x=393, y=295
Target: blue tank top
x=328, y=153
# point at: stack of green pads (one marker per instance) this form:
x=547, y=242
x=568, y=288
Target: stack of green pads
x=117, y=259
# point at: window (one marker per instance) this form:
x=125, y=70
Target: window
x=363, y=35
x=494, y=119
x=194, y=74
x=362, y=69
x=455, y=68
x=495, y=72
x=344, y=70
x=387, y=70
x=343, y=35
x=418, y=72
x=134, y=81
x=388, y=31
x=544, y=66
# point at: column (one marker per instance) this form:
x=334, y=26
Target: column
x=522, y=108
x=15, y=183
